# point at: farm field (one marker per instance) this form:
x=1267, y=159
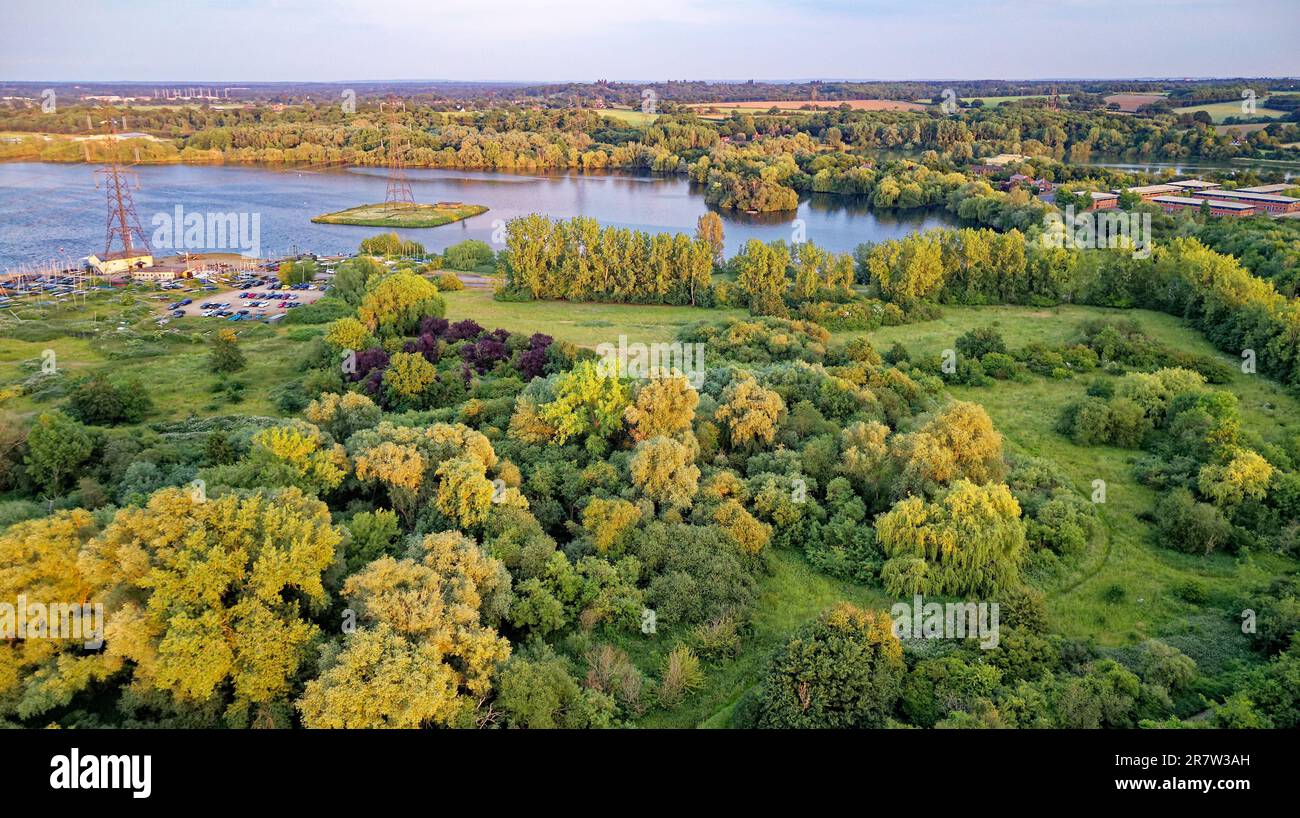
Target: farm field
x=798, y=105
x=1131, y=102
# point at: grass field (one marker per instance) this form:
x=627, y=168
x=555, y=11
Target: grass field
x=1220, y=111
x=628, y=116
x=407, y=215
x=116, y=333
x=582, y=323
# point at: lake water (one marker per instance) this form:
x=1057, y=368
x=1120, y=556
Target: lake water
x=52, y=210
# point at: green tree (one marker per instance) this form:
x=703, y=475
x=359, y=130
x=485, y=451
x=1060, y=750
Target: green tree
x=225, y=355
x=57, y=446
x=844, y=670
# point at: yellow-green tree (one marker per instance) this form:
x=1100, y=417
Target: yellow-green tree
x=343, y=415
x=347, y=333
x=40, y=562
x=318, y=463
x=394, y=304
x=589, y=400
x=609, y=522
x=708, y=229
x=749, y=412
x=664, y=469
x=212, y=595
x=663, y=406
x=409, y=375
x=958, y=443
x=1240, y=475
x=971, y=541
x=425, y=650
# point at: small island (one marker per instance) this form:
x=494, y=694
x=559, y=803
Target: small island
x=402, y=215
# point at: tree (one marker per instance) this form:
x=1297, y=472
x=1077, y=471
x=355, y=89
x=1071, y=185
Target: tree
x=39, y=561
x=971, y=541
x=425, y=650
x=317, y=464
x=663, y=406
x=300, y=271
x=761, y=273
x=537, y=690
x=908, y=270
x=1189, y=525
x=664, y=470
x=589, y=400
x=609, y=523
x=225, y=355
x=409, y=375
x=353, y=276
x=958, y=443
x=98, y=402
x=1241, y=475
x=347, y=334
x=343, y=415
x=56, y=447
x=749, y=412
x=214, y=595
x=390, y=244
x=844, y=670
x=468, y=256
x=708, y=229
x=395, y=305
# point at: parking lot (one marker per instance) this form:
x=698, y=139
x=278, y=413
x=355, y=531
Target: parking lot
x=262, y=299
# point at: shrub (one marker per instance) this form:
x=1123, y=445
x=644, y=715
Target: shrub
x=844, y=670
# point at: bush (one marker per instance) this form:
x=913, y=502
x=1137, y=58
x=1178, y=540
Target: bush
x=470, y=256
x=1190, y=526
x=844, y=670
x=97, y=402
x=980, y=342
x=449, y=283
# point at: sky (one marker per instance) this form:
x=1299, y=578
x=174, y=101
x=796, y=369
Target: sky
x=578, y=40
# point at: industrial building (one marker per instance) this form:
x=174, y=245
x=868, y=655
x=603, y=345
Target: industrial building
x=1148, y=192
x=1103, y=201
x=1262, y=202
x=1195, y=185
x=1173, y=204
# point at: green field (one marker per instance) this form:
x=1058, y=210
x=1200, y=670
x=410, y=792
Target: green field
x=402, y=215
x=117, y=333
x=1220, y=111
x=583, y=323
x=628, y=116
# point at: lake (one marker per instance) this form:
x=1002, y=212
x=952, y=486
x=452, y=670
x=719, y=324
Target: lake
x=53, y=210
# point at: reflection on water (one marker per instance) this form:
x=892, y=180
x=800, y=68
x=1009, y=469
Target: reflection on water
x=48, y=209
x=1193, y=166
